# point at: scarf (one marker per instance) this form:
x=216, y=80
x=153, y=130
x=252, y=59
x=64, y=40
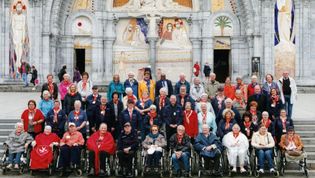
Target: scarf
x=247, y=127
x=51, y=88
x=130, y=98
x=204, y=118
x=235, y=135
x=187, y=116
x=95, y=97
x=84, y=84
x=73, y=93
x=162, y=102
x=154, y=136
x=152, y=116
x=56, y=111
x=182, y=99
x=76, y=115
x=274, y=99
x=179, y=138
x=266, y=123
x=220, y=100
x=227, y=124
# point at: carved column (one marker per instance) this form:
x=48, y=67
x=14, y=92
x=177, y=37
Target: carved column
x=152, y=55
x=110, y=36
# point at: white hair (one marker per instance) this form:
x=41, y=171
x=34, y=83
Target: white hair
x=163, y=89
x=180, y=127
x=77, y=102
x=18, y=124
x=46, y=92
x=228, y=100
x=128, y=90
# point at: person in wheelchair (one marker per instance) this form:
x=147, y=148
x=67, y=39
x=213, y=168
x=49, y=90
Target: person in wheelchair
x=101, y=144
x=70, y=148
x=153, y=146
x=17, y=142
x=291, y=144
x=209, y=147
x=181, y=150
x=237, y=146
x=127, y=147
x=264, y=144
x=42, y=152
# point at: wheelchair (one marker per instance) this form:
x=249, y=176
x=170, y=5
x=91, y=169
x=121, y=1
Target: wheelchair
x=134, y=167
x=191, y=160
x=227, y=169
x=284, y=159
x=203, y=171
x=86, y=162
x=255, y=166
x=148, y=170
x=23, y=167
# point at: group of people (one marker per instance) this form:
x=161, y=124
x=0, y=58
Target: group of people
x=154, y=116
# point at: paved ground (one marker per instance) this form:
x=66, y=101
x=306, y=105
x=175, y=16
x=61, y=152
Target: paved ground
x=12, y=105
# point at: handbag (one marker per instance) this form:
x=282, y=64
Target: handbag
x=294, y=152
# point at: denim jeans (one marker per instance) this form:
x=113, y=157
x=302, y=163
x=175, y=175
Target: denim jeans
x=16, y=159
x=184, y=158
x=288, y=105
x=24, y=78
x=264, y=154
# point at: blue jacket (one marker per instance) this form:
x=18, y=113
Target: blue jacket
x=134, y=87
x=45, y=106
x=221, y=128
x=130, y=140
x=187, y=98
x=135, y=121
x=202, y=141
x=179, y=84
x=79, y=121
x=92, y=108
x=58, y=127
x=279, y=128
x=115, y=87
x=173, y=115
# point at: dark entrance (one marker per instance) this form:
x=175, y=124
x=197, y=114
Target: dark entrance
x=221, y=64
x=80, y=59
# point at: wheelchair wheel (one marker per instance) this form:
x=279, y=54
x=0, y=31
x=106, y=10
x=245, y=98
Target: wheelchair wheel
x=78, y=172
x=276, y=174
x=21, y=171
x=306, y=172
x=4, y=171
x=50, y=171
x=256, y=174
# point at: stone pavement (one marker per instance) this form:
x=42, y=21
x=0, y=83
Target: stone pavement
x=13, y=104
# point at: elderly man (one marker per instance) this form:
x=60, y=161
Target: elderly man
x=56, y=118
x=237, y=146
x=206, y=117
x=17, y=142
x=93, y=102
x=101, y=144
x=183, y=97
x=196, y=90
x=164, y=83
x=161, y=101
x=182, y=81
x=209, y=147
x=288, y=91
x=70, y=147
x=132, y=83
x=42, y=153
x=180, y=147
x=130, y=114
x=51, y=86
x=79, y=118
x=211, y=86
x=129, y=95
x=260, y=98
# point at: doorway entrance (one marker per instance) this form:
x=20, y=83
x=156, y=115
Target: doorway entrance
x=80, y=59
x=221, y=64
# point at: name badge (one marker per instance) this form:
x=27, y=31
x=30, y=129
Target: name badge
x=245, y=129
x=174, y=113
x=93, y=102
x=284, y=131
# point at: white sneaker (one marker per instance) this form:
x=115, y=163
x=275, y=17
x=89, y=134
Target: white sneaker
x=9, y=166
x=261, y=171
x=272, y=170
x=243, y=170
x=234, y=169
x=16, y=166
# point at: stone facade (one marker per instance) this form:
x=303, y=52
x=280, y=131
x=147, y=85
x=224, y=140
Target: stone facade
x=53, y=41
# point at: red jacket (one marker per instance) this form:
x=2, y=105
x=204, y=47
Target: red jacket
x=37, y=117
x=191, y=128
x=96, y=145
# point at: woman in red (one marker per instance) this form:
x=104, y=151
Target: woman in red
x=101, y=144
x=32, y=119
x=229, y=90
x=190, y=122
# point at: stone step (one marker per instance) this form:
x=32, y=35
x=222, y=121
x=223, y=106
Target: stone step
x=301, y=121
x=299, y=127
x=6, y=132
x=306, y=133
x=308, y=141
x=7, y=126
x=309, y=147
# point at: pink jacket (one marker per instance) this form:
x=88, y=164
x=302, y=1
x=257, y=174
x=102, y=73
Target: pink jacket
x=63, y=89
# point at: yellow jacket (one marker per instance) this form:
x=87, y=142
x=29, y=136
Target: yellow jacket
x=143, y=87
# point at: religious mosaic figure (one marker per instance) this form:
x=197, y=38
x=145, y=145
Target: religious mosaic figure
x=19, y=36
x=285, y=22
x=135, y=33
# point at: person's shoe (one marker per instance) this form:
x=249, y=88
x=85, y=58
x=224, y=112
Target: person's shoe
x=9, y=166
x=186, y=174
x=102, y=172
x=261, y=171
x=272, y=170
x=91, y=173
x=177, y=173
x=234, y=169
x=16, y=166
x=243, y=170
x=129, y=174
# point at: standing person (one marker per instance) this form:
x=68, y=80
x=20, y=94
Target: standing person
x=218, y=100
x=24, y=70
x=132, y=83
x=34, y=79
x=161, y=101
x=79, y=118
x=164, y=83
x=150, y=120
x=229, y=90
x=225, y=125
x=32, y=119
x=116, y=107
x=182, y=81
x=93, y=102
x=70, y=98
x=260, y=98
x=46, y=104
x=196, y=69
x=143, y=104
x=131, y=115
x=115, y=86
x=196, y=90
x=56, y=119
x=268, y=85
x=241, y=86
x=207, y=70
x=147, y=85
x=206, y=117
x=85, y=88
x=51, y=86
x=76, y=75
x=129, y=95
x=288, y=92
x=103, y=115
x=64, y=87
x=183, y=97
x=211, y=86
x=251, y=86
x=190, y=121
x=62, y=72
x=204, y=99
x=275, y=104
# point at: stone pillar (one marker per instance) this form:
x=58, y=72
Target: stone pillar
x=152, y=55
x=46, y=62
x=6, y=40
x=207, y=52
x=67, y=53
x=196, y=50
x=97, y=54
x=110, y=36
x=305, y=53
x=2, y=40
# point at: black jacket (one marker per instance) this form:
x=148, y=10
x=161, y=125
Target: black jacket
x=159, y=85
x=130, y=140
x=45, y=87
x=261, y=100
x=69, y=102
x=184, y=146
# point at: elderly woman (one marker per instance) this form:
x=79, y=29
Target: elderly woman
x=32, y=119
x=56, y=119
x=209, y=147
x=153, y=145
x=17, y=142
x=79, y=118
x=239, y=102
x=70, y=148
x=263, y=142
x=143, y=104
x=218, y=101
x=237, y=146
x=127, y=147
x=196, y=90
x=180, y=147
x=204, y=99
x=42, y=152
x=269, y=84
x=184, y=97
x=247, y=126
x=256, y=114
x=275, y=104
x=226, y=124
x=45, y=104
x=70, y=98
x=101, y=144
x=190, y=121
x=129, y=95
x=291, y=143
x=64, y=87
x=229, y=89
x=161, y=101
x=115, y=86
x=152, y=118
x=281, y=124
x=206, y=117
x=85, y=87
x=266, y=121
x=228, y=105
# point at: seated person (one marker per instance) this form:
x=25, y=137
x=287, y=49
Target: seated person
x=42, y=153
x=152, y=118
x=101, y=144
x=265, y=120
x=180, y=147
x=17, y=142
x=226, y=124
x=237, y=146
x=153, y=145
x=263, y=142
x=291, y=143
x=209, y=147
x=70, y=147
x=127, y=147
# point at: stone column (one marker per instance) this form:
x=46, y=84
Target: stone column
x=46, y=62
x=196, y=50
x=110, y=36
x=67, y=53
x=97, y=54
x=6, y=40
x=152, y=55
x=207, y=52
x=2, y=39
x=305, y=53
